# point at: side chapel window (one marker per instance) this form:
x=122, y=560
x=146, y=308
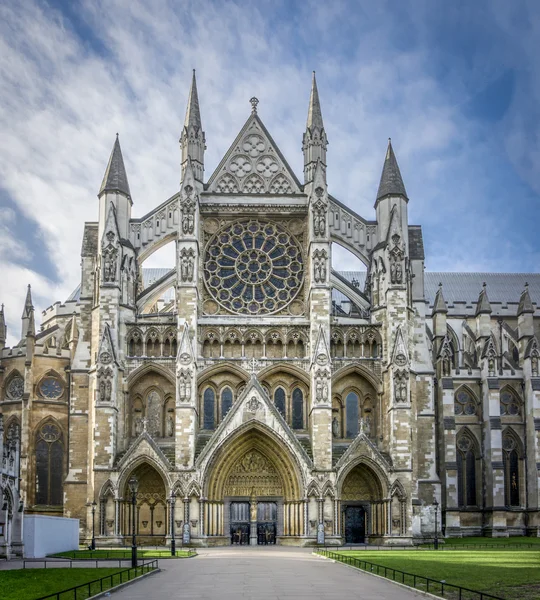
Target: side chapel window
x=297, y=409
x=209, y=401
x=226, y=401
x=466, y=472
x=279, y=401
x=351, y=421
x=49, y=465
x=511, y=471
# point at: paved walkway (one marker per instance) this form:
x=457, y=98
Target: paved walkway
x=260, y=573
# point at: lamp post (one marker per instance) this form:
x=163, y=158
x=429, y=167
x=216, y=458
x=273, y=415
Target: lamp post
x=133, y=487
x=93, y=546
x=436, y=540
x=173, y=541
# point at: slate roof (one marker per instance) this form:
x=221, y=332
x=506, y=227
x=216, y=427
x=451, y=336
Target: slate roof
x=461, y=290
x=416, y=243
x=90, y=239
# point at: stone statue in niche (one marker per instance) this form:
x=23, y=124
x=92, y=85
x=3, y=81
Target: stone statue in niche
x=153, y=414
x=534, y=366
x=109, y=265
x=188, y=212
x=319, y=214
x=400, y=387
x=170, y=426
x=396, y=260
x=184, y=385
x=138, y=426
x=102, y=390
x=319, y=266
x=321, y=387
x=446, y=366
x=108, y=390
x=491, y=366
x=335, y=427
x=187, y=264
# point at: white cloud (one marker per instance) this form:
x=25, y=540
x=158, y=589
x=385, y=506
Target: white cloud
x=62, y=100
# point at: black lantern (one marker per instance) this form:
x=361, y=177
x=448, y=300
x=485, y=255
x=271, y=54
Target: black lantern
x=173, y=541
x=93, y=546
x=436, y=539
x=133, y=485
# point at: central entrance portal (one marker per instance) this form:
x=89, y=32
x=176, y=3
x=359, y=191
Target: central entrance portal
x=266, y=523
x=355, y=525
x=240, y=523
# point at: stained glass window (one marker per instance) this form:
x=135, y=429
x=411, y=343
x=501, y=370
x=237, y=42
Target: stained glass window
x=226, y=401
x=209, y=401
x=49, y=466
x=466, y=471
x=297, y=409
x=351, y=423
x=279, y=401
x=464, y=403
x=253, y=267
x=50, y=387
x=510, y=404
x=511, y=471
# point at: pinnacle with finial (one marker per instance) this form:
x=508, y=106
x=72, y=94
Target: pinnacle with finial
x=115, y=178
x=254, y=101
x=525, y=302
x=391, y=183
x=483, y=305
x=439, y=306
x=314, y=119
x=193, y=112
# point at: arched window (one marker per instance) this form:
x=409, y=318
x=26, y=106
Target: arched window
x=351, y=418
x=279, y=401
x=464, y=403
x=226, y=401
x=209, y=402
x=49, y=465
x=511, y=471
x=297, y=409
x=510, y=403
x=466, y=471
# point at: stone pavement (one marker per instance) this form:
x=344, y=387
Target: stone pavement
x=260, y=573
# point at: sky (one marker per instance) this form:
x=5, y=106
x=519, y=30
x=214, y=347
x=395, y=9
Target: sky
x=456, y=85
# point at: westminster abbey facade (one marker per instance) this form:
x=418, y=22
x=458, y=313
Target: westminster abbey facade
x=260, y=396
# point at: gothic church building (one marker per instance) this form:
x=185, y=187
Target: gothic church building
x=258, y=395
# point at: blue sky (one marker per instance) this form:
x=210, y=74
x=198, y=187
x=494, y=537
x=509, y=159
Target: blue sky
x=455, y=84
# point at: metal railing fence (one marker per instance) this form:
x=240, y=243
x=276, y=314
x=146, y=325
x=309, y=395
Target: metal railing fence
x=419, y=582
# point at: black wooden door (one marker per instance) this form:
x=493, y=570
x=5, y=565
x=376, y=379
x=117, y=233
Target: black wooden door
x=239, y=522
x=355, y=525
x=266, y=523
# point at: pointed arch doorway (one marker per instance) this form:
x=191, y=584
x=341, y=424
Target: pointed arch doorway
x=254, y=492
x=151, y=518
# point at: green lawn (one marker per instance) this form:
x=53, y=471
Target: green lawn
x=29, y=584
x=122, y=553
x=506, y=573
x=495, y=542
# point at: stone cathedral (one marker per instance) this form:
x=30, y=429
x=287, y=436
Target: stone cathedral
x=259, y=396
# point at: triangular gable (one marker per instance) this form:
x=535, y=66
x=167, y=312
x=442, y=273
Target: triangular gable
x=321, y=353
x=144, y=445
x=107, y=352
x=362, y=445
x=400, y=356
x=111, y=226
x=254, y=165
x=252, y=405
x=185, y=348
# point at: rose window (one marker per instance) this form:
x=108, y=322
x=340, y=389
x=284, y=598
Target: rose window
x=253, y=267
x=50, y=387
x=15, y=388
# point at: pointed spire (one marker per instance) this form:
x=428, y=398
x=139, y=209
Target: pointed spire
x=314, y=119
x=483, y=306
x=193, y=113
x=3, y=328
x=525, y=303
x=28, y=306
x=115, y=178
x=439, y=305
x=192, y=140
x=28, y=322
x=314, y=142
x=391, y=183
